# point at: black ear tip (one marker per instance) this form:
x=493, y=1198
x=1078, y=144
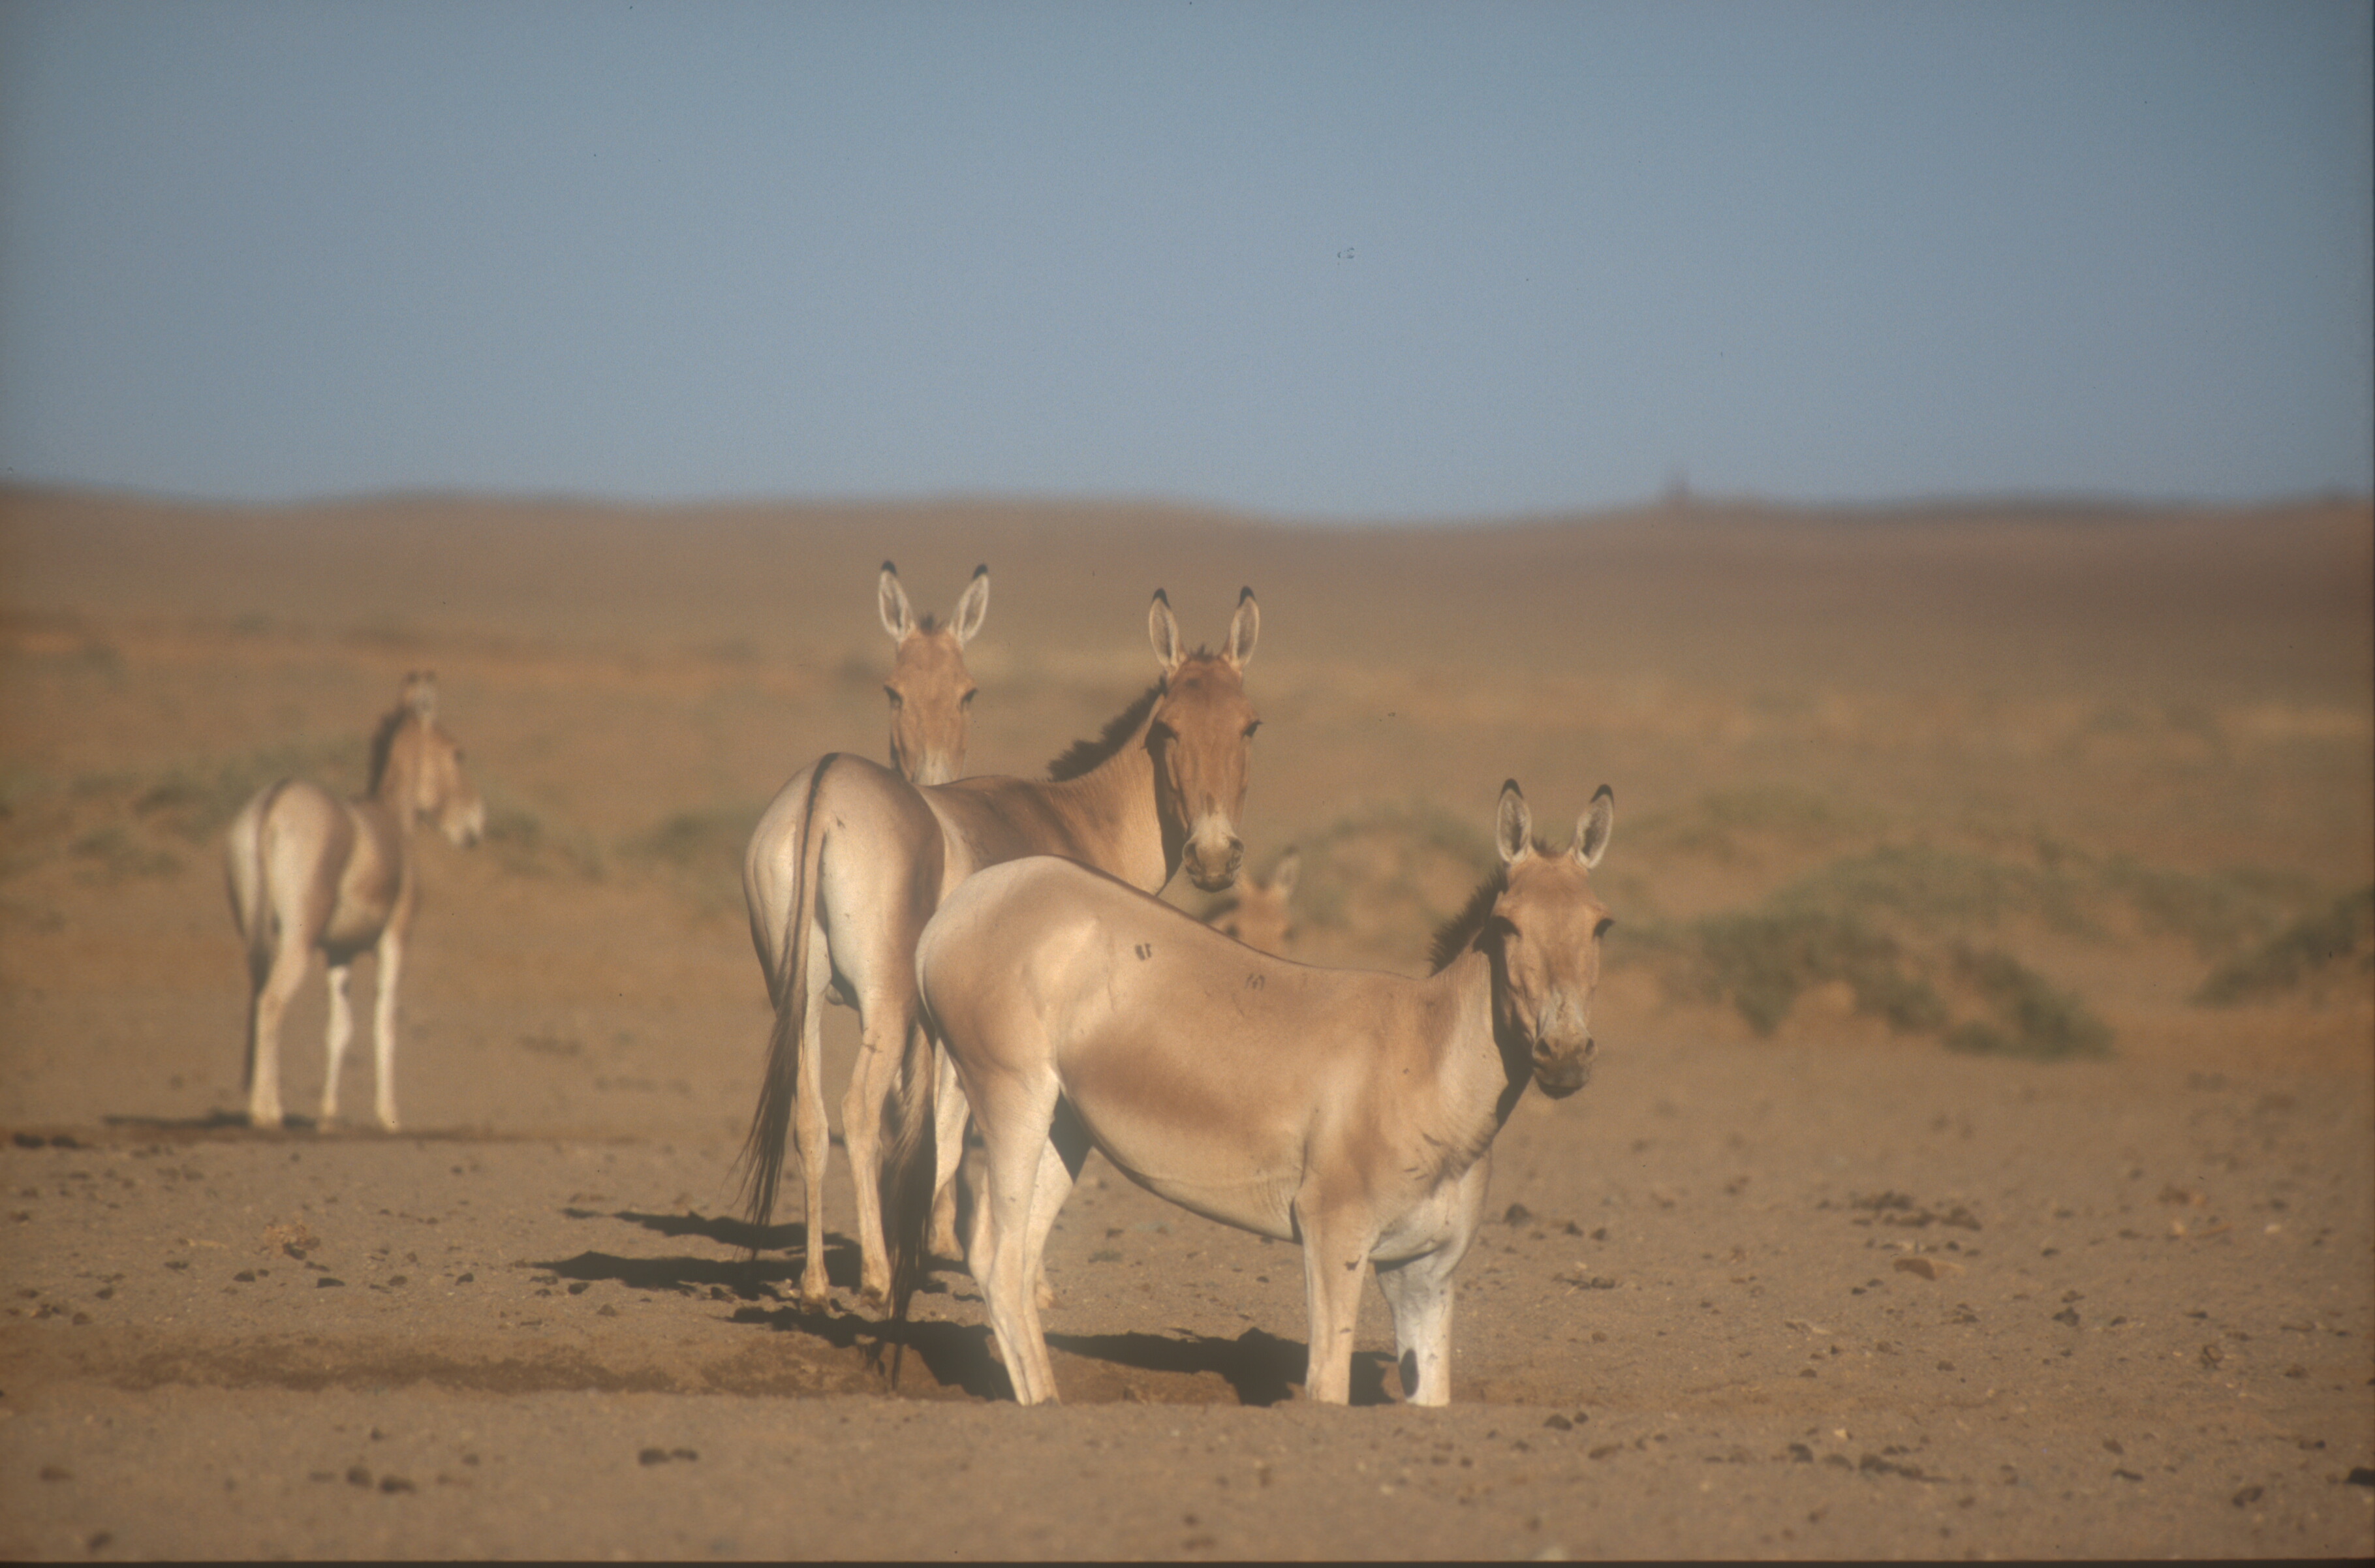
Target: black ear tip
x=1604, y=793
x=1244, y=594
x=1509, y=786
x=1163, y=598
x=891, y=569
x=982, y=570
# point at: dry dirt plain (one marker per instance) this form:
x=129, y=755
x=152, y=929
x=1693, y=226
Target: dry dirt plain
x=1981, y=1160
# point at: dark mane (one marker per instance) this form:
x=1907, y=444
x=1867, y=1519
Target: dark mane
x=1083, y=755
x=927, y=622
x=384, y=742
x=1454, y=936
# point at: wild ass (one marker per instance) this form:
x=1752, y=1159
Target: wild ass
x=1352, y=1112
x=851, y=860
x=1257, y=914
x=930, y=691
x=308, y=870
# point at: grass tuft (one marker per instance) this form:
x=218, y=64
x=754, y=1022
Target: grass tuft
x=2033, y=1018
x=2338, y=939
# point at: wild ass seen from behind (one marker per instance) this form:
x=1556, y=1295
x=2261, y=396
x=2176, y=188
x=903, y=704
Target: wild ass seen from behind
x=310, y=870
x=930, y=691
x=1348, y=1111
x=851, y=860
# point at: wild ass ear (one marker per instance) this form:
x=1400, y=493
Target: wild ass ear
x=893, y=601
x=1513, y=829
x=421, y=694
x=1163, y=629
x=1591, y=828
x=1245, y=627
x=972, y=605
x=1282, y=874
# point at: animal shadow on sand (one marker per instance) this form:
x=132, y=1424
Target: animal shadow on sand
x=1258, y=1367
x=752, y=1278
x=234, y=1125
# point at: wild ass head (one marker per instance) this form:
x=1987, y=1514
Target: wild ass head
x=1543, y=936
x=930, y=692
x=416, y=768
x=1200, y=735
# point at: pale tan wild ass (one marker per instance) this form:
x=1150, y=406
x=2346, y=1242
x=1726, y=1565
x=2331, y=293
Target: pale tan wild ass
x=1352, y=1112
x=308, y=870
x=851, y=860
x=1257, y=916
x=930, y=691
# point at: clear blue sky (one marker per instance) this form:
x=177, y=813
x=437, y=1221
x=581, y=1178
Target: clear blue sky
x=1376, y=261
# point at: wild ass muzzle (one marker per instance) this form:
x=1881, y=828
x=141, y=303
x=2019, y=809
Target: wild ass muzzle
x=308, y=870
x=1352, y=1112
x=930, y=691
x=851, y=860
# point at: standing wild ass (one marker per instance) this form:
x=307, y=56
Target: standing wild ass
x=851, y=860
x=930, y=691
x=308, y=870
x=1348, y=1111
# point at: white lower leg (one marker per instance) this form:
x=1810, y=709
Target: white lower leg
x=391, y=963
x=342, y=1029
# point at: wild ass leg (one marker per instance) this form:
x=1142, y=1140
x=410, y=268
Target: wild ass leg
x=1059, y=1167
x=886, y=1023
x=1419, y=1292
x=1015, y=1127
x=811, y=1138
x=342, y=1029
x=1335, y=1256
x=949, y=1113
x=391, y=967
x=272, y=1000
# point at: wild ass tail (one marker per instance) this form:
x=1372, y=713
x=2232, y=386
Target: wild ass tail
x=763, y=1149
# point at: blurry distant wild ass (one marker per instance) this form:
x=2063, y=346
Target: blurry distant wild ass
x=1352, y=1112
x=308, y=870
x=1257, y=916
x=930, y=692
x=851, y=860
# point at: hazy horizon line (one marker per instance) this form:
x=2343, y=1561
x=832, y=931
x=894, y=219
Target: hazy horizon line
x=1678, y=500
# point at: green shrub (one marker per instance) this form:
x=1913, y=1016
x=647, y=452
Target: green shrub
x=2033, y=1018
x=2341, y=937
x=1761, y=962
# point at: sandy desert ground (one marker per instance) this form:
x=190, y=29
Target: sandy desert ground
x=1980, y=1159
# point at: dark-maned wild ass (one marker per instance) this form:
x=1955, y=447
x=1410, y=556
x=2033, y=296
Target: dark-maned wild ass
x=1257, y=916
x=850, y=860
x=930, y=691
x=1350, y=1111
x=310, y=870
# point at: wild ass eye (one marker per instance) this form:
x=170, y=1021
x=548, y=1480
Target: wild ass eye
x=1251, y=727
x=892, y=692
x=966, y=701
x=1600, y=929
